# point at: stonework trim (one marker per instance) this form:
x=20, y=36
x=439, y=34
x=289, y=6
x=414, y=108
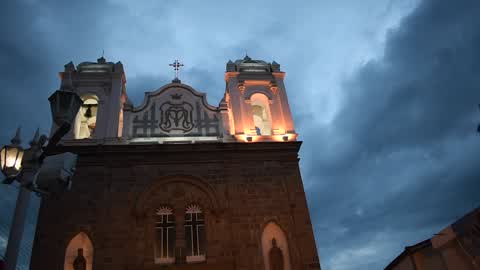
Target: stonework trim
x=150, y=95
x=141, y=204
x=251, y=91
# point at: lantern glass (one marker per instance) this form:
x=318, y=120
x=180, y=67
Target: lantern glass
x=11, y=160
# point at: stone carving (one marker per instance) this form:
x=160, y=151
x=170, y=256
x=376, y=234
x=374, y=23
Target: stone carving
x=80, y=263
x=181, y=114
x=276, y=256
x=176, y=116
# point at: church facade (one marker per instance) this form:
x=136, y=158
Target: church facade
x=176, y=183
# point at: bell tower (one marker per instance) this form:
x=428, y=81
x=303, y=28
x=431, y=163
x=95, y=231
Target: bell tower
x=101, y=86
x=257, y=101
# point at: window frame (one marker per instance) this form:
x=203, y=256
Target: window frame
x=195, y=256
x=162, y=213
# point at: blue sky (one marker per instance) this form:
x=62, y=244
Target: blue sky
x=384, y=95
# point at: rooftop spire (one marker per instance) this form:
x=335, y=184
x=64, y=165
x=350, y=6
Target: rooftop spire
x=36, y=137
x=16, y=140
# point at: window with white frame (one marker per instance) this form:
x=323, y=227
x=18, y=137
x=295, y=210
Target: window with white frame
x=195, y=234
x=164, y=236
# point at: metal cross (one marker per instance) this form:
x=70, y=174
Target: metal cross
x=176, y=66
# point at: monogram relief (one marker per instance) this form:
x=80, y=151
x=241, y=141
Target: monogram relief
x=176, y=115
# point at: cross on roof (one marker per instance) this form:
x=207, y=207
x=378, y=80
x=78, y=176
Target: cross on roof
x=176, y=66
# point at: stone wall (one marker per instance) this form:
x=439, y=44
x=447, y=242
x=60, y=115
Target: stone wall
x=241, y=188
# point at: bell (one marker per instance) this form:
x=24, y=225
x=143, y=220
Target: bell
x=88, y=113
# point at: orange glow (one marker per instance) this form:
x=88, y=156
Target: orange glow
x=80, y=241
x=231, y=74
x=280, y=75
x=241, y=87
x=274, y=89
x=289, y=137
x=257, y=82
x=258, y=138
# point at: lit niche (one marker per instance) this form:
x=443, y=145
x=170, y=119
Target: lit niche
x=261, y=114
x=86, y=120
x=79, y=253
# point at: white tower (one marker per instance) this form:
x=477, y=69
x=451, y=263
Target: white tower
x=101, y=85
x=257, y=101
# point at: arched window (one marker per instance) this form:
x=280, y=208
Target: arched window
x=275, y=248
x=164, y=235
x=261, y=114
x=79, y=253
x=195, y=233
x=86, y=120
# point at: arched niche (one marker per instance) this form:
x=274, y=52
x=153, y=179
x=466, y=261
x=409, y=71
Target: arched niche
x=273, y=231
x=262, y=117
x=86, y=119
x=80, y=241
x=176, y=187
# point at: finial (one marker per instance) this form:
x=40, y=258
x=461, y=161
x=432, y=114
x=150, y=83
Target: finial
x=16, y=140
x=34, y=141
x=102, y=59
x=69, y=67
x=246, y=56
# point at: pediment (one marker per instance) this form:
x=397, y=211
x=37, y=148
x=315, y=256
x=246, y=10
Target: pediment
x=175, y=110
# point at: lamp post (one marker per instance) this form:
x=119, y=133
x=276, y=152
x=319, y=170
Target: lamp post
x=24, y=165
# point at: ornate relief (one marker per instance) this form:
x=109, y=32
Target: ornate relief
x=178, y=192
x=175, y=111
x=241, y=87
x=193, y=208
x=274, y=88
x=164, y=210
x=176, y=115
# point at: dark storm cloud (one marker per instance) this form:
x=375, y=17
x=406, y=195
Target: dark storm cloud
x=401, y=158
x=202, y=80
x=35, y=41
x=396, y=163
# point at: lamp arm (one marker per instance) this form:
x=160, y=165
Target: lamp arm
x=53, y=141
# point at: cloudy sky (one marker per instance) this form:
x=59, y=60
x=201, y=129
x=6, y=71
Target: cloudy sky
x=384, y=94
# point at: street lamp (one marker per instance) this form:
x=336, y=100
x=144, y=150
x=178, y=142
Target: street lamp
x=24, y=166
x=11, y=157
